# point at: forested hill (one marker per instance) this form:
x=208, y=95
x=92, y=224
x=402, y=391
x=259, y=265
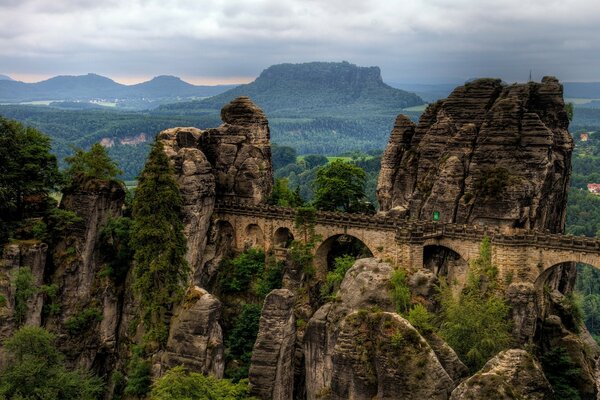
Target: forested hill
x=315, y=89
x=94, y=87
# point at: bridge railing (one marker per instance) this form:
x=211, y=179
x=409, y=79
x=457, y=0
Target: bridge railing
x=418, y=231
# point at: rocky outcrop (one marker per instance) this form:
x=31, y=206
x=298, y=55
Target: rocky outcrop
x=380, y=355
x=32, y=256
x=197, y=186
x=512, y=374
x=272, y=369
x=489, y=153
x=195, y=335
x=78, y=261
x=231, y=162
x=363, y=312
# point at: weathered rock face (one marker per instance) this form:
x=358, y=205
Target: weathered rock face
x=272, y=369
x=78, y=262
x=380, y=355
x=489, y=153
x=195, y=335
x=14, y=257
x=337, y=367
x=231, y=162
x=512, y=374
x=196, y=184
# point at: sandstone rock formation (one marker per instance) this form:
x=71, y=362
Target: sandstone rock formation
x=338, y=367
x=30, y=255
x=512, y=374
x=195, y=335
x=489, y=153
x=78, y=262
x=272, y=369
x=231, y=162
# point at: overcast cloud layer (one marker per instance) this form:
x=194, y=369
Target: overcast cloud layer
x=209, y=41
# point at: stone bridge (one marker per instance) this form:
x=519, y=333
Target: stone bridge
x=521, y=255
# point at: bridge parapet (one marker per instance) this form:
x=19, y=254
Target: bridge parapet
x=419, y=231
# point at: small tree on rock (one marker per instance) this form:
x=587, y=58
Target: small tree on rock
x=95, y=163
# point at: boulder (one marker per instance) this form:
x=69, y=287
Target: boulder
x=195, y=335
x=512, y=374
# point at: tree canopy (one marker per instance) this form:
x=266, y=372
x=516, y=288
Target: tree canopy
x=94, y=163
x=27, y=168
x=35, y=370
x=340, y=186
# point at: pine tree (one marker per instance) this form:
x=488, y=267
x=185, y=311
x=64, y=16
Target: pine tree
x=161, y=270
x=95, y=163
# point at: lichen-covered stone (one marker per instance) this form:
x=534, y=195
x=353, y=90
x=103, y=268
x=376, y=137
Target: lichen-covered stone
x=272, y=368
x=489, y=153
x=332, y=367
x=195, y=335
x=512, y=374
x=380, y=355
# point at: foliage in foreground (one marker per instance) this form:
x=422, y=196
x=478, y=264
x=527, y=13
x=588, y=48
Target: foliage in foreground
x=179, y=384
x=476, y=324
x=157, y=236
x=36, y=371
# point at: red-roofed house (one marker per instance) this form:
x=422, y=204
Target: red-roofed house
x=594, y=188
x=584, y=137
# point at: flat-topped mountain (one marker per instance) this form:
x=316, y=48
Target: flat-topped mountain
x=313, y=87
x=92, y=86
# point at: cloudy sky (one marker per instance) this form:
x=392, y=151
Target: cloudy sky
x=232, y=41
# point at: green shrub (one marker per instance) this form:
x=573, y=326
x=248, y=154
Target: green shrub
x=139, y=376
x=35, y=370
x=242, y=270
x=334, y=279
x=476, y=324
x=240, y=340
x=51, y=303
x=24, y=290
x=179, y=384
x=492, y=182
x=83, y=320
x=270, y=279
x=400, y=290
x=421, y=319
x=115, y=247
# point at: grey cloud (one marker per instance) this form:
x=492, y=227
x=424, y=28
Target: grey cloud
x=414, y=40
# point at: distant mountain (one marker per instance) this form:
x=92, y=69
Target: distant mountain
x=584, y=90
x=428, y=92
x=315, y=88
x=94, y=87
x=5, y=78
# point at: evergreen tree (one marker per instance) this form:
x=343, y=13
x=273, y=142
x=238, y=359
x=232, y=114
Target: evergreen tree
x=160, y=270
x=27, y=169
x=92, y=164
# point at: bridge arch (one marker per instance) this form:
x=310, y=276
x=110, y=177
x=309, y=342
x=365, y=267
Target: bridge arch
x=447, y=263
x=336, y=246
x=255, y=236
x=283, y=237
